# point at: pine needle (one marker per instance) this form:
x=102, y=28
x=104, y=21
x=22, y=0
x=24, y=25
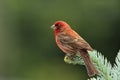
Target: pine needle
x=106, y=71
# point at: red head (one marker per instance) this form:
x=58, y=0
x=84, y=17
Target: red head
x=59, y=26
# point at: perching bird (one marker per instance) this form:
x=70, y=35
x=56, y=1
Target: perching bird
x=72, y=43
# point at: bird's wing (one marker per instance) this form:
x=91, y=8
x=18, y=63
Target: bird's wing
x=74, y=40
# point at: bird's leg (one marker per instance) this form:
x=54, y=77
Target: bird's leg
x=71, y=57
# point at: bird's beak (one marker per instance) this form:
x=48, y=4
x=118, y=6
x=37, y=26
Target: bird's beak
x=53, y=27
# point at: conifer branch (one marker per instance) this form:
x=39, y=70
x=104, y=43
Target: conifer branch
x=106, y=71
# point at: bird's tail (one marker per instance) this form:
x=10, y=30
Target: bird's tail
x=88, y=63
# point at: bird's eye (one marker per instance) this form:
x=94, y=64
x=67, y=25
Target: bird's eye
x=58, y=26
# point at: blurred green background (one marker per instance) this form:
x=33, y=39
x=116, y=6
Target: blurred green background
x=27, y=46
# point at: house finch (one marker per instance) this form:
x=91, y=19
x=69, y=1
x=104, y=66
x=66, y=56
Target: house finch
x=71, y=43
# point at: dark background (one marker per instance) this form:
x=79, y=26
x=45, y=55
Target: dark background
x=27, y=46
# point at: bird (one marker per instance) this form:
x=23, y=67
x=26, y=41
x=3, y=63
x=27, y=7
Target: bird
x=71, y=43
